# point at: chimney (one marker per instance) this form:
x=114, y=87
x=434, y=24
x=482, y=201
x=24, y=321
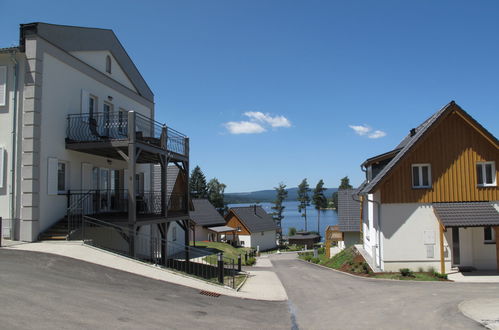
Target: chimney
x=413, y=131
x=254, y=208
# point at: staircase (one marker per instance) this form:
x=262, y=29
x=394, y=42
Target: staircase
x=58, y=232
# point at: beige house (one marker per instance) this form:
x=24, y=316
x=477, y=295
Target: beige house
x=433, y=200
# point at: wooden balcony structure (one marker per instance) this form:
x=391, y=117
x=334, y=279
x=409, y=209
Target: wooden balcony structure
x=136, y=139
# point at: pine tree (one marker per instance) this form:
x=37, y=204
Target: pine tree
x=197, y=184
x=281, y=194
x=303, y=199
x=216, y=195
x=320, y=201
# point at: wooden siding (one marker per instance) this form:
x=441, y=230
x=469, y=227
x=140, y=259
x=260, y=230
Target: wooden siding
x=452, y=147
x=234, y=222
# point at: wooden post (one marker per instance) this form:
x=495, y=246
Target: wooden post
x=442, y=252
x=132, y=167
x=496, y=230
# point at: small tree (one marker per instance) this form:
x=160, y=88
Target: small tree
x=320, y=201
x=281, y=194
x=291, y=231
x=197, y=184
x=216, y=191
x=303, y=199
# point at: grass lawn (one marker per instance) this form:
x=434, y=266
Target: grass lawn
x=228, y=250
x=348, y=260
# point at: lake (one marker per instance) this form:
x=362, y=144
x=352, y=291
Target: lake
x=292, y=218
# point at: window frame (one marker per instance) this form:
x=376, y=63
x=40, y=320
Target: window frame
x=420, y=174
x=483, y=164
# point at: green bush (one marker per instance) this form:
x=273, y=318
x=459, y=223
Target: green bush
x=315, y=260
x=365, y=268
x=251, y=261
x=406, y=272
x=321, y=250
x=439, y=275
x=307, y=257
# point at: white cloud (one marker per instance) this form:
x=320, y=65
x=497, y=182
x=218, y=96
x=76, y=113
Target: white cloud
x=244, y=127
x=366, y=130
x=360, y=129
x=258, y=123
x=274, y=121
x=377, y=134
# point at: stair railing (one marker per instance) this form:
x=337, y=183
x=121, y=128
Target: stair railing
x=80, y=204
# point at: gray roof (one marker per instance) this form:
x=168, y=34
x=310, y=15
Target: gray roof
x=469, y=214
x=409, y=141
x=205, y=214
x=348, y=210
x=76, y=38
x=254, y=218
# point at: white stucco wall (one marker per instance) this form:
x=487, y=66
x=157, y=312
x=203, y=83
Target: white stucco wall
x=202, y=234
x=6, y=140
x=61, y=95
x=370, y=225
x=97, y=59
x=266, y=241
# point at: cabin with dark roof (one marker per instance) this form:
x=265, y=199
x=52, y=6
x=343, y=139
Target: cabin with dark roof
x=255, y=227
x=433, y=201
x=205, y=216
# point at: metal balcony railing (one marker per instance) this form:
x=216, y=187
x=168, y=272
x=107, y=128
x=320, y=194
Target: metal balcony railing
x=102, y=126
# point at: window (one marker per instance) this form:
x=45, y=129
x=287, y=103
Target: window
x=486, y=174
x=108, y=64
x=3, y=85
x=61, y=177
x=488, y=235
x=174, y=233
x=92, y=105
x=123, y=120
x=421, y=176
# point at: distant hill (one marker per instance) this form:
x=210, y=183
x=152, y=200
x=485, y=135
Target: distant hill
x=267, y=196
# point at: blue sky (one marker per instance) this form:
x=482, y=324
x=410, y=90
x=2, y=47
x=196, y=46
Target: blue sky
x=296, y=74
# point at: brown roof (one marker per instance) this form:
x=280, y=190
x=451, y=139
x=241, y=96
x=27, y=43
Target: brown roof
x=470, y=214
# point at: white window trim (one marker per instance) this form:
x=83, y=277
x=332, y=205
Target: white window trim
x=420, y=166
x=494, y=182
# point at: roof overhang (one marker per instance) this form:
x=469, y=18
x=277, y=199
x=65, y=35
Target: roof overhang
x=222, y=229
x=381, y=157
x=466, y=214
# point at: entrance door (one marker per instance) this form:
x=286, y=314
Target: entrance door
x=456, y=252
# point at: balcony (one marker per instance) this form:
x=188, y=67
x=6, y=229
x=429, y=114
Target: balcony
x=109, y=134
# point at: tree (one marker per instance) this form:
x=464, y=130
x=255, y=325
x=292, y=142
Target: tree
x=197, y=184
x=319, y=201
x=291, y=231
x=303, y=199
x=216, y=195
x=344, y=184
x=281, y=194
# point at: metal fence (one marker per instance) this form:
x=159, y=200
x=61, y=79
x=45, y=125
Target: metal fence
x=201, y=263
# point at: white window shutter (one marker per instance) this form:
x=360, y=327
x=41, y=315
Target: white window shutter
x=2, y=165
x=52, y=176
x=3, y=85
x=84, y=101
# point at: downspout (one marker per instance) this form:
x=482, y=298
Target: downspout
x=13, y=215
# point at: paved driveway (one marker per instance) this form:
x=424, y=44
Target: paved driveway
x=323, y=299
x=45, y=291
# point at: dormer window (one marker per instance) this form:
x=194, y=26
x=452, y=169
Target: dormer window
x=108, y=64
x=421, y=176
x=486, y=174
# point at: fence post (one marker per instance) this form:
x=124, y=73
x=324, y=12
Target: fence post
x=83, y=229
x=239, y=263
x=220, y=268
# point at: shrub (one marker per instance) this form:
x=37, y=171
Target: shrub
x=439, y=275
x=307, y=257
x=315, y=260
x=321, y=250
x=406, y=272
x=365, y=268
x=251, y=261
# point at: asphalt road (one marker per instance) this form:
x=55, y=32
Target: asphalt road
x=323, y=299
x=43, y=291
